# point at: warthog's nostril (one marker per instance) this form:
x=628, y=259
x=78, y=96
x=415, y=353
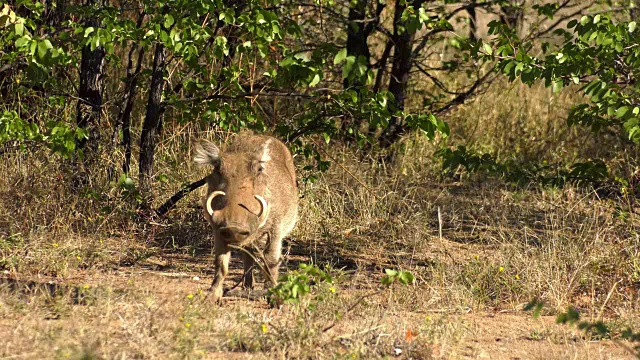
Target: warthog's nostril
x=231, y=232
x=226, y=233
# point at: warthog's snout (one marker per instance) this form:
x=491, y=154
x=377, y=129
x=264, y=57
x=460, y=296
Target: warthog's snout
x=234, y=234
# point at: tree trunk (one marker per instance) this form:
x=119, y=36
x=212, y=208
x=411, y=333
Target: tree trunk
x=357, y=35
x=473, y=25
x=53, y=15
x=152, y=124
x=90, y=94
x=89, y=106
x=382, y=69
x=128, y=109
x=512, y=14
x=402, y=57
x=129, y=98
x=382, y=65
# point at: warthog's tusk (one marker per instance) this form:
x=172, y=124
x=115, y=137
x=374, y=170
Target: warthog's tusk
x=263, y=205
x=210, y=200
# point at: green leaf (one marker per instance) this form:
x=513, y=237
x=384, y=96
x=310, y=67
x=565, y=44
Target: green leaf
x=164, y=37
x=391, y=272
x=18, y=28
x=42, y=49
x=406, y=277
x=327, y=138
x=557, y=86
x=443, y=127
x=619, y=48
x=585, y=20
x=287, y=61
x=174, y=35
x=348, y=65
x=89, y=30
x=168, y=21
x=340, y=56
x=95, y=42
x=20, y=42
x=315, y=81
x=128, y=182
x=571, y=316
x=633, y=129
x=33, y=48
x=536, y=306
x=622, y=111
x=487, y=48
x=631, y=26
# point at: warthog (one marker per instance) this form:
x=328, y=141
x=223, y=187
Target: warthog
x=251, y=199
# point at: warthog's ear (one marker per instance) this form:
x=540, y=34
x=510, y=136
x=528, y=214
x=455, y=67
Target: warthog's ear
x=206, y=153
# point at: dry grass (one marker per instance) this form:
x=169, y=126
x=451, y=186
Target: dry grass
x=529, y=125
x=82, y=279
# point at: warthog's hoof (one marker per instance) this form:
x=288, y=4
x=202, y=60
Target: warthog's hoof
x=216, y=295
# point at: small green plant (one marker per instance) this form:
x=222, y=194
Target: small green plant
x=572, y=317
x=464, y=160
x=298, y=283
x=404, y=277
x=128, y=188
x=8, y=246
x=597, y=329
x=535, y=305
x=11, y=241
x=536, y=335
x=490, y=283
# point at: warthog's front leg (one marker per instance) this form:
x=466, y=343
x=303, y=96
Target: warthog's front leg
x=249, y=263
x=272, y=256
x=222, y=253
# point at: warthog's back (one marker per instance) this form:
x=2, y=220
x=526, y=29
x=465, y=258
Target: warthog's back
x=278, y=152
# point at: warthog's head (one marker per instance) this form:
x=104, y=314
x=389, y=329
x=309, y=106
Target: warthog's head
x=236, y=204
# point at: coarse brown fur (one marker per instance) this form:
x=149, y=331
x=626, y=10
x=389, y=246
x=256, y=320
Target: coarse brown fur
x=252, y=166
